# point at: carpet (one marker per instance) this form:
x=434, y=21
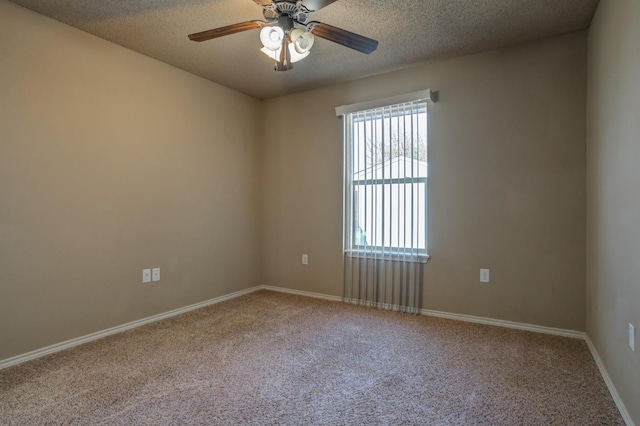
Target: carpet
x=273, y=358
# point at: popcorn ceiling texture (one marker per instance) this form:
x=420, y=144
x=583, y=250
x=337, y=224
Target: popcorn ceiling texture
x=271, y=358
x=409, y=31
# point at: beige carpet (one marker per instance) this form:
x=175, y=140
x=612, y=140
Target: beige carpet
x=270, y=358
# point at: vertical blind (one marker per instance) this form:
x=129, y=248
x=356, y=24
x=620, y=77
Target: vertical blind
x=385, y=217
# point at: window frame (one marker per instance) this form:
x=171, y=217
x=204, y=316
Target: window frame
x=350, y=183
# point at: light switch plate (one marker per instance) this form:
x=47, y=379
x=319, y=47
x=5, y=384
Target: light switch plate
x=632, y=337
x=146, y=275
x=305, y=259
x=155, y=274
x=484, y=275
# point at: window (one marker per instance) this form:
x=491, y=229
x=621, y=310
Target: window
x=386, y=181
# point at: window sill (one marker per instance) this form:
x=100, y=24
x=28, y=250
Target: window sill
x=379, y=255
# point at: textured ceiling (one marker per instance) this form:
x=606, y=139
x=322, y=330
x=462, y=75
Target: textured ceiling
x=409, y=31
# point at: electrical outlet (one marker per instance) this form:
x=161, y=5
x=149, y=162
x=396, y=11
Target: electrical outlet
x=484, y=275
x=146, y=275
x=305, y=259
x=155, y=274
x=632, y=337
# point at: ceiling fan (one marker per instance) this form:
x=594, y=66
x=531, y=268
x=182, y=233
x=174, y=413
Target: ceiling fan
x=287, y=34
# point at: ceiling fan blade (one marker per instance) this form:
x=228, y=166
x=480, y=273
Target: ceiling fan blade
x=346, y=38
x=223, y=31
x=262, y=3
x=314, y=5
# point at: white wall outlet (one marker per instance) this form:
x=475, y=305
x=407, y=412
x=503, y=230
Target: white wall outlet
x=155, y=274
x=305, y=259
x=632, y=337
x=484, y=275
x=146, y=275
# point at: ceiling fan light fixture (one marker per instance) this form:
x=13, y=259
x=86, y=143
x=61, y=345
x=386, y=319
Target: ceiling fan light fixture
x=287, y=34
x=271, y=37
x=301, y=40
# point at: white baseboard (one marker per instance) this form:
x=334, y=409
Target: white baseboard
x=612, y=389
x=19, y=359
x=301, y=293
x=440, y=314
x=507, y=324
x=94, y=336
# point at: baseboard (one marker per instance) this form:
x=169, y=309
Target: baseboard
x=447, y=315
x=612, y=389
x=94, y=336
x=507, y=324
x=301, y=293
x=19, y=359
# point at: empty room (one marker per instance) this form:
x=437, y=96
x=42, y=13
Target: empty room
x=319, y=212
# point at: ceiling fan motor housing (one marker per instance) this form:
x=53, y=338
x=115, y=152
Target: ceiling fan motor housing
x=285, y=22
x=293, y=9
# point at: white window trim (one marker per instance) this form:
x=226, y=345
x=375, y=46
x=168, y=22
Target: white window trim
x=426, y=94
x=376, y=252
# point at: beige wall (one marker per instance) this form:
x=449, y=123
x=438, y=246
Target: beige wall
x=506, y=192
x=111, y=162
x=613, y=182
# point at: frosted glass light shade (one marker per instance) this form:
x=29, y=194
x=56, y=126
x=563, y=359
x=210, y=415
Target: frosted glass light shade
x=271, y=37
x=302, y=40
